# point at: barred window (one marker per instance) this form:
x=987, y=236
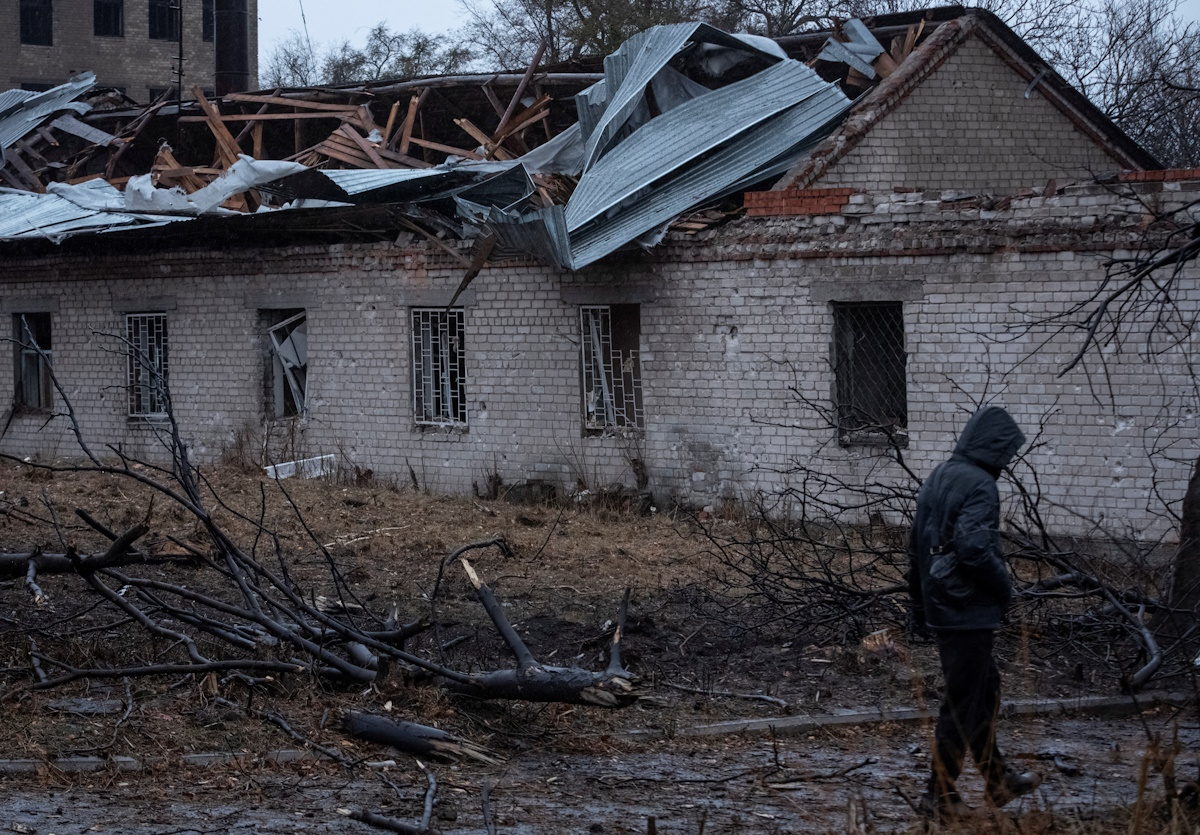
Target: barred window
x=31, y=341
x=108, y=18
x=146, y=362
x=439, y=367
x=37, y=23
x=612, y=368
x=869, y=368
x=164, y=20
x=208, y=11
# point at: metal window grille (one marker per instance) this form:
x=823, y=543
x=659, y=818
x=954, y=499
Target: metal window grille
x=164, y=20
x=439, y=367
x=31, y=335
x=208, y=11
x=108, y=18
x=37, y=23
x=612, y=369
x=146, y=340
x=869, y=367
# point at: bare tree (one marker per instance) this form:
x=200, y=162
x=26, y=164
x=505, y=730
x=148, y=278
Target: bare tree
x=295, y=62
x=291, y=63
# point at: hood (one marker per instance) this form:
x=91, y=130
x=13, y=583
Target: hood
x=991, y=438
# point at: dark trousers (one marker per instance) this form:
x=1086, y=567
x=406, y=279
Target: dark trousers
x=968, y=715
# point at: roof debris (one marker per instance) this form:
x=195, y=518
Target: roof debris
x=563, y=163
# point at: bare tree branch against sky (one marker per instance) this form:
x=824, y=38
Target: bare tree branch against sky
x=338, y=20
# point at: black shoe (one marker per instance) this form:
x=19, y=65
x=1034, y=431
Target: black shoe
x=943, y=809
x=1015, y=784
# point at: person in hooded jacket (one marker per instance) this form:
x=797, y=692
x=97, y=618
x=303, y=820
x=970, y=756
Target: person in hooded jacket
x=960, y=589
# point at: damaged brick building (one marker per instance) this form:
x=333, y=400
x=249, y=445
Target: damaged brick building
x=904, y=263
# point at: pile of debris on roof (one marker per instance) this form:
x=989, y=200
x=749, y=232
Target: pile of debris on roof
x=681, y=117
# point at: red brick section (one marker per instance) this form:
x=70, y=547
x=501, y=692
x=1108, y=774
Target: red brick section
x=1168, y=175
x=797, y=201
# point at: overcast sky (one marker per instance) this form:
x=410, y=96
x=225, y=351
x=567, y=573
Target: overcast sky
x=337, y=20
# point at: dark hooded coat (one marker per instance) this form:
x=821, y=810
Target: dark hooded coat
x=958, y=578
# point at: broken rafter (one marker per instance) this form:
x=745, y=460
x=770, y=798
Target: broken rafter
x=445, y=149
x=227, y=147
x=364, y=146
x=516, y=99
x=289, y=102
x=491, y=148
x=270, y=117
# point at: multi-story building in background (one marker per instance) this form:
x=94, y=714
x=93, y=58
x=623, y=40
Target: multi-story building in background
x=132, y=45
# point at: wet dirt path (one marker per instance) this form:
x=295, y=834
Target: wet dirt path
x=735, y=784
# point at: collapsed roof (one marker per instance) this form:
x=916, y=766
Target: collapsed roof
x=580, y=164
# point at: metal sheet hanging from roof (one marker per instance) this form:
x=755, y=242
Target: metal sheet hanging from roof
x=26, y=112
x=689, y=131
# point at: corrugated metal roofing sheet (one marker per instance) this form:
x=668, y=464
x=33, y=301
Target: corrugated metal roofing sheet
x=740, y=162
x=25, y=214
x=676, y=138
x=28, y=110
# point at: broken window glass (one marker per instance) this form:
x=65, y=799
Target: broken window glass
x=146, y=364
x=439, y=367
x=612, y=368
x=31, y=336
x=869, y=367
x=289, y=352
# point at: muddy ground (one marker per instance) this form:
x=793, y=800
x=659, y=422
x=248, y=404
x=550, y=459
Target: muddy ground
x=566, y=769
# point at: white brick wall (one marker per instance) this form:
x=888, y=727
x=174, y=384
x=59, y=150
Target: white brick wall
x=969, y=126
x=729, y=322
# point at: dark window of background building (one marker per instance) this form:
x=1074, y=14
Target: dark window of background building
x=164, y=20
x=37, y=23
x=208, y=9
x=108, y=18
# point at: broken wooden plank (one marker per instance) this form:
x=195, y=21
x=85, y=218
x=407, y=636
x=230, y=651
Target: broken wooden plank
x=364, y=146
x=257, y=139
x=445, y=149
x=409, y=121
x=269, y=117
x=529, y=116
x=490, y=148
x=340, y=154
x=250, y=126
x=49, y=138
x=18, y=164
x=493, y=100
x=403, y=159
x=227, y=146
x=516, y=99
x=391, y=122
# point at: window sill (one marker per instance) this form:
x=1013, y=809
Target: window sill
x=147, y=420
x=32, y=411
x=440, y=428
x=874, y=440
x=614, y=432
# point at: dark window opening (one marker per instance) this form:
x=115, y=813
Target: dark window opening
x=108, y=18
x=36, y=87
x=287, y=362
x=146, y=364
x=37, y=23
x=208, y=11
x=31, y=340
x=611, y=367
x=439, y=367
x=164, y=20
x=869, y=369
